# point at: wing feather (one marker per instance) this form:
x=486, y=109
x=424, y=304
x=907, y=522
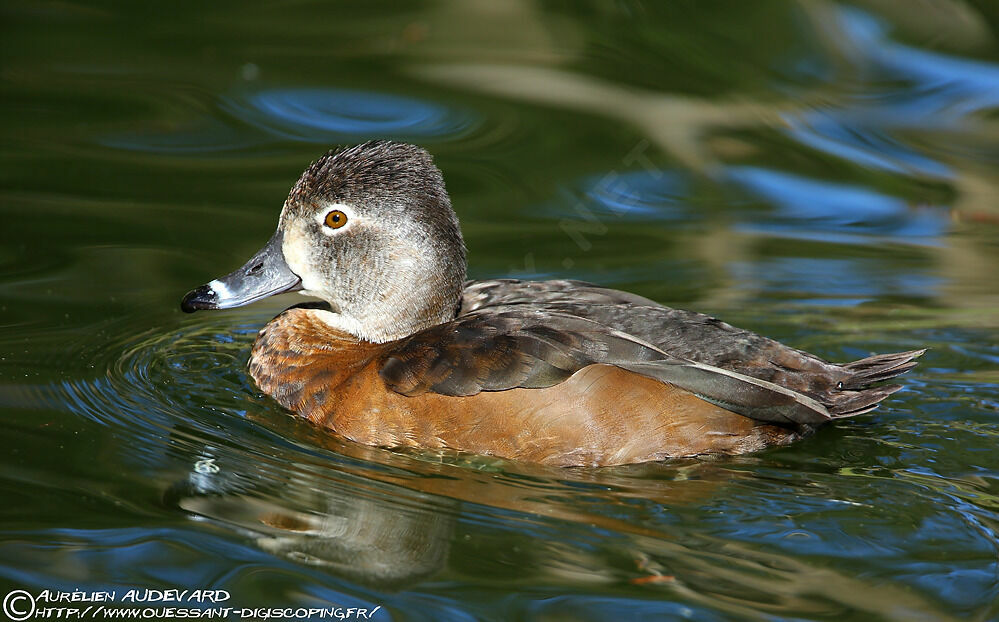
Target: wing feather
x=522, y=346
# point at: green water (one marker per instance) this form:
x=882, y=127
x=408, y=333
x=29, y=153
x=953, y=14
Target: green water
x=821, y=172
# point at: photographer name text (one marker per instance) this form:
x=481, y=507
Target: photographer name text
x=135, y=596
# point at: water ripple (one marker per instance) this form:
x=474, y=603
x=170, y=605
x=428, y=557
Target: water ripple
x=638, y=195
x=907, y=91
x=330, y=115
x=828, y=210
x=322, y=116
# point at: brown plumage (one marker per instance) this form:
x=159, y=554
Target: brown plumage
x=555, y=372
x=527, y=382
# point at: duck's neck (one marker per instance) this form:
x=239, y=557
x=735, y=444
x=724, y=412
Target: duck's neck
x=397, y=313
x=379, y=329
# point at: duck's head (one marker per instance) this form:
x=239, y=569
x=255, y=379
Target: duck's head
x=370, y=230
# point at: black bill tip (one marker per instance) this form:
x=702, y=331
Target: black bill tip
x=199, y=299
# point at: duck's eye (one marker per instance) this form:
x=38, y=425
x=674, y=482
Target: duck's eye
x=336, y=219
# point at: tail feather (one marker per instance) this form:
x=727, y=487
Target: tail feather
x=854, y=395
x=860, y=374
x=850, y=403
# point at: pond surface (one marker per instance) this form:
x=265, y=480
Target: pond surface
x=824, y=173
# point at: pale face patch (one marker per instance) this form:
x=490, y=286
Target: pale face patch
x=296, y=247
x=300, y=242
x=380, y=292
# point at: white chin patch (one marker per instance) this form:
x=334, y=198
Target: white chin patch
x=220, y=289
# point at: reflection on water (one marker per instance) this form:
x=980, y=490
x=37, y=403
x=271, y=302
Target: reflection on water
x=806, y=169
x=329, y=116
x=914, y=90
x=837, y=212
x=379, y=536
x=644, y=195
x=948, y=90
x=323, y=116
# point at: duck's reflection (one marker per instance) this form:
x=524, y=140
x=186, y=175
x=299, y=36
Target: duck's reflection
x=388, y=520
x=360, y=530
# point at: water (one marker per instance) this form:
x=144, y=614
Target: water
x=820, y=172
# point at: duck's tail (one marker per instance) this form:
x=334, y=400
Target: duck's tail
x=854, y=395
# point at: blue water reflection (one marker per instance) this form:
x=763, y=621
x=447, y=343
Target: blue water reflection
x=641, y=195
x=328, y=115
x=323, y=116
x=950, y=88
x=836, y=133
x=645, y=194
x=941, y=92
x=812, y=208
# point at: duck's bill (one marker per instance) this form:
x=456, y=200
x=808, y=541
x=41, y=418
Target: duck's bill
x=265, y=274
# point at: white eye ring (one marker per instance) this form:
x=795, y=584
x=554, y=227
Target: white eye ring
x=346, y=215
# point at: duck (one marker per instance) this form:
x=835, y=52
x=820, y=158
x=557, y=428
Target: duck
x=403, y=352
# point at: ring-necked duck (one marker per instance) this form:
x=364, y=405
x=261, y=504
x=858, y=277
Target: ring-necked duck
x=405, y=353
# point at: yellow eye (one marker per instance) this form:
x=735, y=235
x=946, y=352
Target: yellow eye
x=336, y=219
